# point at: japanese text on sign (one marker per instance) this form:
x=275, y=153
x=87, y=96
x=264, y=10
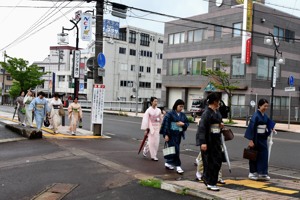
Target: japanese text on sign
x=98, y=103
x=76, y=64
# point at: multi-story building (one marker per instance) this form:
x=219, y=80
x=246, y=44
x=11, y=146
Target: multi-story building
x=201, y=42
x=6, y=83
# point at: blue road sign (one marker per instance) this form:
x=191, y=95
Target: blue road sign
x=101, y=60
x=291, y=81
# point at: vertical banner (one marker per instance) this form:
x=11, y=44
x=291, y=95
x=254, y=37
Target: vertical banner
x=81, y=79
x=86, y=26
x=76, y=64
x=247, y=28
x=98, y=103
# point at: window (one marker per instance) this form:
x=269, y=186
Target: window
x=148, y=69
x=122, y=34
x=237, y=30
x=237, y=68
x=144, y=84
x=132, y=68
x=264, y=68
x=141, y=68
x=158, y=85
x=218, y=32
x=191, y=36
x=145, y=39
x=61, y=78
x=197, y=35
x=122, y=50
x=238, y=100
x=9, y=78
x=123, y=66
x=196, y=66
x=158, y=70
x=278, y=32
x=176, y=38
x=160, y=41
x=289, y=36
x=175, y=67
x=132, y=37
x=126, y=83
x=281, y=102
x=132, y=52
x=216, y=64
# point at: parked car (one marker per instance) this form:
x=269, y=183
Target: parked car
x=198, y=107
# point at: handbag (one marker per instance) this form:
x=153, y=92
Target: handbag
x=250, y=154
x=168, y=151
x=61, y=111
x=228, y=134
x=46, y=122
x=80, y=123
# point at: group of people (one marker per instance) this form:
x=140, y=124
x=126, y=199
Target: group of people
x=40, y=108
x=173, y=124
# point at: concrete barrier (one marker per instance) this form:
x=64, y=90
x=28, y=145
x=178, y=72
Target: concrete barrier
x=29, y=133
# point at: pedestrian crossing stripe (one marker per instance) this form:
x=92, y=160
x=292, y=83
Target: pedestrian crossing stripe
x=262, y=186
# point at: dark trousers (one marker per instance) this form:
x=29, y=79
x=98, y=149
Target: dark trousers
x=212, y=162
x=175, y=140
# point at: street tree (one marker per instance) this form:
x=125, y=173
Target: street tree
x=24, y=76
x=220, y=79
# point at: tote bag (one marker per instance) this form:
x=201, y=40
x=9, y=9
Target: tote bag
x=168, y=151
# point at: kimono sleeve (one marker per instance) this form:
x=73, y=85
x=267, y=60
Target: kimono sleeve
x=185, y=121
x=165, y=126
x=250, y=131
x=145, y=121
x=80, y=111
x=32, y=104
x=203, y=128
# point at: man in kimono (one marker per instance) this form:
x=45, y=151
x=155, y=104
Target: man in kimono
x=41, y=108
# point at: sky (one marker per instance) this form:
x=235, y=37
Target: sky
x=30, y=27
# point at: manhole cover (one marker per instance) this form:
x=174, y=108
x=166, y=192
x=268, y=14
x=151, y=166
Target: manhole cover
x=56, y=191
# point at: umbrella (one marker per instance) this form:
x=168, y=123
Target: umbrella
x=226, y=152
x=270, y=144
x=15, y=112
x=143, y=142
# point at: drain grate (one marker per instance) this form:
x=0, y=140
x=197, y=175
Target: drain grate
x=56, y=191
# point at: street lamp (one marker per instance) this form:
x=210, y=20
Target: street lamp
x=270, y=40
x=63, y=39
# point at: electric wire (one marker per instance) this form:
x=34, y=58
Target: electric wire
x=13, y=8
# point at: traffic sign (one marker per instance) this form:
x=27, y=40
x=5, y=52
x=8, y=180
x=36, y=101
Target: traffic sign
x=289, y=89
x=291, y=81
x=101, y=60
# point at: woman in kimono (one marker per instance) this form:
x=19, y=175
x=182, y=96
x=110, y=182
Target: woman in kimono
x=28, y=115
x=55, y=118
x=75, y=114
x=208, y=137
x=151, y=124
x=257, y=133
x=173, y=128
x=41, y=109
x=21, y=108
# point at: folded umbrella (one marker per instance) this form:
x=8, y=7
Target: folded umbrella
x=15, y=112
x=143, y=141
x=226, y=152
x=270, y=144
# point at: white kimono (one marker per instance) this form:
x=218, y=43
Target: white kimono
x=55, y=118
x=152, y=119
x=28, y=115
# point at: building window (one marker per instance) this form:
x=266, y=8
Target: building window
x=158, y=70
x=176, y=38
x=160, y=41
x=9, y=78
x=264, y=68
x=289, y=36
x=158, y=85
x=132, y=37
x=123, y=66
x=175, y=67
x=237, y=68
x=122, y=34
x=122, y=50
x=141, y=68
x=61, y=78
x=132, y=52
x=126, y=83
x=132, y=68
x=281, y=103
x=148, y=69
x=144, y=84
x=237, y=30
x=218, y=32
x=159, y=56
x=145, y=39
x=278, y=32
x=197, y=35
x=196, y=66
x=216, y=64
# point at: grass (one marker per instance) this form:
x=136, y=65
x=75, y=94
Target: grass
x=190, y=119
x=229, y=122
x=155, y=183
x=184, y=191
x=122, y=113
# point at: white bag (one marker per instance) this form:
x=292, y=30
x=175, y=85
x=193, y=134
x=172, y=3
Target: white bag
x=168, y=152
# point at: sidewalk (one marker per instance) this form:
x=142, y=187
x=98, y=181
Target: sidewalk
x=240, y=188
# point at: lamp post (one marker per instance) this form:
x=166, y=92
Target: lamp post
x=3, y=79
x=62, y=37
x=270, y=41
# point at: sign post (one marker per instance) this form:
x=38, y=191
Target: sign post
x=98, y=104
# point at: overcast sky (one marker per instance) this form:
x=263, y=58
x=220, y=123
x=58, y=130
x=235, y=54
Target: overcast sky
x=18, y=16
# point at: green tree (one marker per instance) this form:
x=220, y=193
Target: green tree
x=220, y=79
x=25, y=76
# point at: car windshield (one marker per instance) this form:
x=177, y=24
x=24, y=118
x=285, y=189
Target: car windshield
x=196, y=102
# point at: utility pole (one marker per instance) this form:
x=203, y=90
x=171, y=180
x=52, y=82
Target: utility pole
x=3, y=79
x=97, y=128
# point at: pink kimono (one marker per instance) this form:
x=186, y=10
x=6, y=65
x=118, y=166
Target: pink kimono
x=152, y=119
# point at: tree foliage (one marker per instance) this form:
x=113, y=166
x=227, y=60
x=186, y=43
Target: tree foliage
x=220, y=79
x=24, y=76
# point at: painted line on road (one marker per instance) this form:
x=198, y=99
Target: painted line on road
x=12, y=140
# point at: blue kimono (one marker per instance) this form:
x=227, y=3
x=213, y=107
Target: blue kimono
x=40, y=107
x=258, y=131
x=174, y=133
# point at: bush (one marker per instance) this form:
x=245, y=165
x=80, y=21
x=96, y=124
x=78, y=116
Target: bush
x=190, y=119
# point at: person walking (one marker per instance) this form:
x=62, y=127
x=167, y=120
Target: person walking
x=257, y=132
x=151, y=124
x=208, y=137
x=55, y=119
x=75, y=114
x=21, y=108
x=174, y=125
x=40, y=107
x=28, y=114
